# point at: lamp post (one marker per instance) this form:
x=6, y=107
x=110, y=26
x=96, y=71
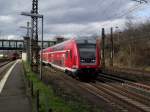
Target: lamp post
x=112, y=47
x=28, y=28
x=42, y=17
x=27, y=39
x=41, y=49
x=117, y=31
x=0, y=35
x=103, y=48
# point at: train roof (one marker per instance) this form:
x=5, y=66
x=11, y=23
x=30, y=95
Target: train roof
x=59, y=44
x=79, y=40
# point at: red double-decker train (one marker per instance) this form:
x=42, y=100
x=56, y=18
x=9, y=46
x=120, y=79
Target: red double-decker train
x=80, y=57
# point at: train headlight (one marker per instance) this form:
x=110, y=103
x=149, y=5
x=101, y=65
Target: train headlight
x=82, y=60
x=93, y=60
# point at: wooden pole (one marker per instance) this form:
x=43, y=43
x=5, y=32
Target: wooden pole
x=103, y=48
x=112, y=47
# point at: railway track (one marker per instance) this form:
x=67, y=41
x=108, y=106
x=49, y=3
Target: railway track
x=4, y=67
x=116, y=92
x=126, y=83
x=78, y=86
x=137, y=75
x=127, y=92
x=118, y=96
x=119, y=88
x=4, y=63
x=129, y=71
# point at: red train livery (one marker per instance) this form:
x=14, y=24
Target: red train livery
x=77, y=56
x=14, y=56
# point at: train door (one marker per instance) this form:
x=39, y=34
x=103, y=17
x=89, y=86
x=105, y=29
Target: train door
x=70, y=59
x=66, y=59
x=63, y=59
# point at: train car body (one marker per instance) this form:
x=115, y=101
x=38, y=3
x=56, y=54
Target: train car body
x=14, y=56
x=77, y=56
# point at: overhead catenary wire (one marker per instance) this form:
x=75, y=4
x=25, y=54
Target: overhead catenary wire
x=104, y=12
x=116, y=15
x=140, y=1
x=99, y=3
x=130, y=10
x=141, y=4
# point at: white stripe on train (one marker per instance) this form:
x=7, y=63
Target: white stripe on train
x=63, y=51
x=59, y=67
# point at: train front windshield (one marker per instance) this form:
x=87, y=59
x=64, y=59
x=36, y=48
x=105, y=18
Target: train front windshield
x=87, y=52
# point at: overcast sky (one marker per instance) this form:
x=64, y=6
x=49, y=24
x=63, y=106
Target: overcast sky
x=69, y=17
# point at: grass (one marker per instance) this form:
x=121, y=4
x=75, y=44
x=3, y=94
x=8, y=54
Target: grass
x=48, y=98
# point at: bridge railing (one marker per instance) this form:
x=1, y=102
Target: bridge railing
x=20, y=44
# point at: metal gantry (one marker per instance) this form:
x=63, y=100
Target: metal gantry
x=34, y=35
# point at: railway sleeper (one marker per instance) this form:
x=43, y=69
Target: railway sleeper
x=139, y=97
x=125, y=99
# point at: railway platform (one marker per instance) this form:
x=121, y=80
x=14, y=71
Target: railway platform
x=13, y=96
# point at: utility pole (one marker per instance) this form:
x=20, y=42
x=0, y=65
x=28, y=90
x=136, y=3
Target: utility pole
x=112, y=47
x=103, y=47
x=0, y=35
x=28, y=37
x=27, y=40
x=28, y=28
x=34, y=38
x=117, y=33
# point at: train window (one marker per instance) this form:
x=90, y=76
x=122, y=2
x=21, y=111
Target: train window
x=88, y=46
x=86, y=41
x=87, y=51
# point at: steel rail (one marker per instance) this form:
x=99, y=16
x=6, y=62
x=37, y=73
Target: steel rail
x=127, y=82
